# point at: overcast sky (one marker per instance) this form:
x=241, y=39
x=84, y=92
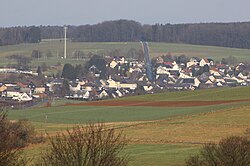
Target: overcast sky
x=79, y=12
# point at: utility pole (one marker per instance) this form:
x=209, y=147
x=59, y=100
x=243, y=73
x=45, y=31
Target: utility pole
x=65, y=42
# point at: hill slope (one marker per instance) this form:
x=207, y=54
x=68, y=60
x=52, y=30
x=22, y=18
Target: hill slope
x=156, y=49
x=223, y=94
x=82, y=113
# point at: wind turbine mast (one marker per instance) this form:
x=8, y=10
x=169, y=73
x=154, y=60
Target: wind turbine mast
x=65, y=42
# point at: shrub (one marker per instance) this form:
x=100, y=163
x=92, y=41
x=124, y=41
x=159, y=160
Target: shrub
x=93, y=145
x=234, y=151
x=9, y=154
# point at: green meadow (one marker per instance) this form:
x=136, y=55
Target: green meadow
x=157, y=135
x=82, y=114
x=236, y=93
x=156, y=49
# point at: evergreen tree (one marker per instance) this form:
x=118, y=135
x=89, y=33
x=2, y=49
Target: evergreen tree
x=39, y=71
x=68, y=71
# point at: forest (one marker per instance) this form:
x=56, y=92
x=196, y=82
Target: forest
x=234, y=35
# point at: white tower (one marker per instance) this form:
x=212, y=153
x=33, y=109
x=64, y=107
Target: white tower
x=65, y=42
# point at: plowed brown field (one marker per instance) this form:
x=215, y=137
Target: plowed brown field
x=155, y=103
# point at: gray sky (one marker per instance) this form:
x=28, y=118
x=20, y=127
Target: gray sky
x=79, y=12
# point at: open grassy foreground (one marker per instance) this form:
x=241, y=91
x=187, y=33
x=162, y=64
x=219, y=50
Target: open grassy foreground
x=171, y=141
x=158, y=135
x=141, y=154
x=156, y=49
x=195, y=129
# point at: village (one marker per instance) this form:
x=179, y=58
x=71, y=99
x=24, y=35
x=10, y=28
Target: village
x=125, y=77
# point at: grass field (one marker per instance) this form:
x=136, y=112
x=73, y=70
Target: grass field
x=171, y=141
x=140, y=154
x=158, y=135
x=237, y=93
x=195, y=129
x=156, y=49
x=82, y=114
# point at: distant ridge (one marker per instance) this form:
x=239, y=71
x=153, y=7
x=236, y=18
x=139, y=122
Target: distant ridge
x=235, y=35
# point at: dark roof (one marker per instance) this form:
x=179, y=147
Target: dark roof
x=188, y=80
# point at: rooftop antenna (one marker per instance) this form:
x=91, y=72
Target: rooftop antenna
x=65, y=42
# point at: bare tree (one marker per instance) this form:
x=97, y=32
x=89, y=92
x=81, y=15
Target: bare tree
x=9, y=156
x=94, y=145
x=247, y=133
x=232, y=151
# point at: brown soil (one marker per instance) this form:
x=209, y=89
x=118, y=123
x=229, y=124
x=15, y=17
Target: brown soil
x=155, y=103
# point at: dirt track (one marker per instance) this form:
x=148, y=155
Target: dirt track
x=156, y=103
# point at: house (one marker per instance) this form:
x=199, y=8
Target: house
x=85, y=95
x=209, y=82
x=134, y=69
x=211, y=61
x=110, y=83
x=22, y=85
x=191, y=82
x=195, y=59
x=189, y=64
x=75, y=86
x=8, y=70
x=212, y=78
x=11, y=91
x=230, y=82
x=31, y=86
x=171, y=66
x=88, y=86
x=120, y=59
x=2, y=89
x=22, y=97
x=183, y=75
x=219, y=84
x=174, y=73
x=40, y=96
x=148, y=87
x=214, y=71
x=113, y=64
x=11, y=94
x=239, y=80
x=39, y=90
x=136, y=64
x=219, y=79
x=143, y=78
x=181, y=86
x=54, y=83
x=222, y=68
x=240, y=75
x=119, y=93
x=95, y=71
x=162, y=70
x=204, y=62
x=159, y=60
x=103, y=94
x=79, y=95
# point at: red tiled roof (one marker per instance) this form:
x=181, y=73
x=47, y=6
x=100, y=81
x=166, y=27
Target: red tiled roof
x=22, y=85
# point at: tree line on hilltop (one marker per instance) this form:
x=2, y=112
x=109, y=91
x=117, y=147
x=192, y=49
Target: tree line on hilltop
x=235, y=35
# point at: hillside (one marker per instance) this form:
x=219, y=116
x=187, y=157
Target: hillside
x=146, y=109
x=158, y=136
x=156, y=49
x=217, y=94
